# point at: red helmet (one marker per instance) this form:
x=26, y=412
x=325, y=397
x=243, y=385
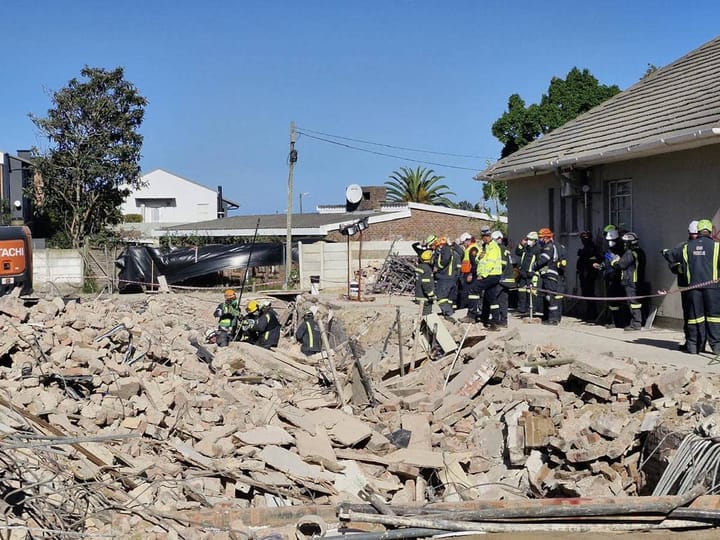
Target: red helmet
x=545, y=233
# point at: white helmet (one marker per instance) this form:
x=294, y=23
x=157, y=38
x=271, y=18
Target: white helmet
x=612, y=234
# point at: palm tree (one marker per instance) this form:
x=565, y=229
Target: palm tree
x=418, y=185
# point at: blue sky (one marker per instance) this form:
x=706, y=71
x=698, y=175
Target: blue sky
x=224, y=79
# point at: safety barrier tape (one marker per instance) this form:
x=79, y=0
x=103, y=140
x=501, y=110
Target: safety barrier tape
x=659, y=294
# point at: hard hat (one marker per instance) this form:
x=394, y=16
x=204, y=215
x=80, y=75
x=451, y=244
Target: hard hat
x=532, y=235
x=252, y=306
x=308, y=314
x=693, y=226
x=705, y=225
x=229, y=294
x=465, y=236
x=209, y=334
x=609, y=228
x=630, y=237
x=430, y=240
x=497, y=235
x=485, y=231
x=426, y=256
x=612, y=234
x=545, y=233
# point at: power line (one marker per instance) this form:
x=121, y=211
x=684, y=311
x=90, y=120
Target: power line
x=394, y=146
x=386, y=155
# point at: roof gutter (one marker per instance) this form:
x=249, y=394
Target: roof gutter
x=684, y=141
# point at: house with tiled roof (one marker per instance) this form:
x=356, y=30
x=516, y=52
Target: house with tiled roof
x=646, y=160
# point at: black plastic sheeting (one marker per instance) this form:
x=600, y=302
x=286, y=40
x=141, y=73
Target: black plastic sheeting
x=141, y=265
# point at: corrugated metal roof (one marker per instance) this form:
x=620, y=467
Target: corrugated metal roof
x=674, y=108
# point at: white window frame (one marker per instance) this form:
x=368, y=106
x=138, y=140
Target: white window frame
x=620, y=215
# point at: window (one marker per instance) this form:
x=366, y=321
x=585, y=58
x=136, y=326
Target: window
x=620, y=204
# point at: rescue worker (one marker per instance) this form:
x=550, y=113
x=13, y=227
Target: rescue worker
x=308, y=333
x=458, y=247
x=526, y=252
x=630, y=265
x=261, y=325
x=444, y=269
x=489, y=270
x=228, y=313
x=587, y=256
x=676, y=263
x=468, y=267
x=428, y=243
x=547, y=265
x=611, y=278
x=424, y=282
x=507, y=280
x=702, y=259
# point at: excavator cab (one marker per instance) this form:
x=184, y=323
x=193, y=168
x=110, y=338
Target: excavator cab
x=15, y=260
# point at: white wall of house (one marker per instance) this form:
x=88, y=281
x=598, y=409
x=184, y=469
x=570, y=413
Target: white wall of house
x=168, y=198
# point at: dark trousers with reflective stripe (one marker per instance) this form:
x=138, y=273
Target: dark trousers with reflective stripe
x=524, y=297
x=615, y=289
x=444, y=288
x=553, y=299
x=685, y=302
x=502, y=300
x=483, y=288
x=635, y=307
x=704, y=320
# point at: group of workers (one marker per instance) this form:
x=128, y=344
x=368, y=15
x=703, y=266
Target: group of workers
x=480, y=274
x=260, y=325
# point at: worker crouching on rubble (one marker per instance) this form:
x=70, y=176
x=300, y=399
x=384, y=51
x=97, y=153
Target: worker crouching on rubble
x=227, y=313
x=308, y=333
x=261, y=325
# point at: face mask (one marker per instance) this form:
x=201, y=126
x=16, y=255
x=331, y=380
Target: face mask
x=611, y=243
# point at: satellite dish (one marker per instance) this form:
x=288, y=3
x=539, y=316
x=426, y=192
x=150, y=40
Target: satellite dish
x=353, y=194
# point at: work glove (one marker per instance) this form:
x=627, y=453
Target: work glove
x=535, y=280
x=247, y=324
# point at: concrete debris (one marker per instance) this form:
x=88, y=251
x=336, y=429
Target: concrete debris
x=96, y=443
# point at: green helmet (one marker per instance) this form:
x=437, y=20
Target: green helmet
x=705, y=225
x=430, y=240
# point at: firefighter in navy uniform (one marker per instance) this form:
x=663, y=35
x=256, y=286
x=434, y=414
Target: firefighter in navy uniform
x=587, y=256
x=612, y=277
x=526, y=252
x=445, y=270
x=702, y=259
x=261, y=325
x=547, y=265
x=630, y=266
x=308, y=333
x=674, y=257
x=424, y=281
x=459, y=249
x=468, y=268
x=507, y=280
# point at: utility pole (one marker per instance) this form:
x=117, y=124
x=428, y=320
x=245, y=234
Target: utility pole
x=292, y=158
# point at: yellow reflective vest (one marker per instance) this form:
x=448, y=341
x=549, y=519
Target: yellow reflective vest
x=490, y=261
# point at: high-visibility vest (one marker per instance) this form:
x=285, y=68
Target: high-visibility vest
x=466, y=265
x=491, y=262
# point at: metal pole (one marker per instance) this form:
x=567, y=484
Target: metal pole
x=292, y=158
x=359, y=278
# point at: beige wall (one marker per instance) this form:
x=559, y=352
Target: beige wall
x=668, y=192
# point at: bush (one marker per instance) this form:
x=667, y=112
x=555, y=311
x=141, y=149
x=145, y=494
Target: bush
x=132, y=218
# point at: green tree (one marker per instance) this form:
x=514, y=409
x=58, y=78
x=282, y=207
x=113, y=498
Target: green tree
x=565, y=99
x=467, y=205
x=93, y=159
x=418, y=185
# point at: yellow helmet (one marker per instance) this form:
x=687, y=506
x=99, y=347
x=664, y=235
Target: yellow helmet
x=252, y=306
x=426, y=256
x=229, y=294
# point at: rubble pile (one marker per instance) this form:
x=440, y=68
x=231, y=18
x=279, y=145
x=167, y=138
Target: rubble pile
x=113, y=421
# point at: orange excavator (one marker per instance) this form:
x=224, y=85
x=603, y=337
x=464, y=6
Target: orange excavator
x=15, y=260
